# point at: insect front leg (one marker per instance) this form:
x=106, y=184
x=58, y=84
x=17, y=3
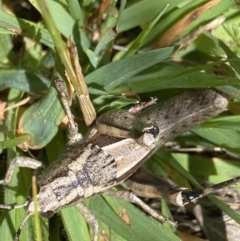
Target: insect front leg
x=142, y=105
x=17, y=162
x=73, y=134
x=20, y=162
x=90, y=218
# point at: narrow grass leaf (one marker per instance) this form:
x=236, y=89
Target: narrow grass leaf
x=220, y=137
x=30, y=29
x=134, y=47
x=224, y=207
x=75, y=224
x=113, y=74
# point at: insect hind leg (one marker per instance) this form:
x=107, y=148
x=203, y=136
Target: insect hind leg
x=131, y=197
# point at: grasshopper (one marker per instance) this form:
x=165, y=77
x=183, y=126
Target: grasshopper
x=101, y=160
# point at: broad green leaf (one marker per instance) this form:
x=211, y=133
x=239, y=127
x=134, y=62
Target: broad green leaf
x=25, y=80
x=41, y=120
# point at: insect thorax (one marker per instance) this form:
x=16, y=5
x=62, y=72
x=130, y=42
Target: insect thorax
x=77, y=174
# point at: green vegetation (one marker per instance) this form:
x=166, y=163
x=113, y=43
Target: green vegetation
x=147, y=64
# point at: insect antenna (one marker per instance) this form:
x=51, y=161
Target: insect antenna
x=189, y=196
x=221, y=185
x=17, y=206
x=24, y=221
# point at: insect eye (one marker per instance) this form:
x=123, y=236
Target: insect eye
x=153, y=131
x=190, y=196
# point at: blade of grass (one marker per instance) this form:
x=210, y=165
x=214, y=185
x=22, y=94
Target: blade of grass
x=139, y=222
x=75, y=224
x=60, y=45
x=113, y=74
x=135, y=45
x=32, y=30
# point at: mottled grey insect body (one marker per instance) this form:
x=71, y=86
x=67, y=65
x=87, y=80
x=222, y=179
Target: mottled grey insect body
x=98, y=162
x=76, y=175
